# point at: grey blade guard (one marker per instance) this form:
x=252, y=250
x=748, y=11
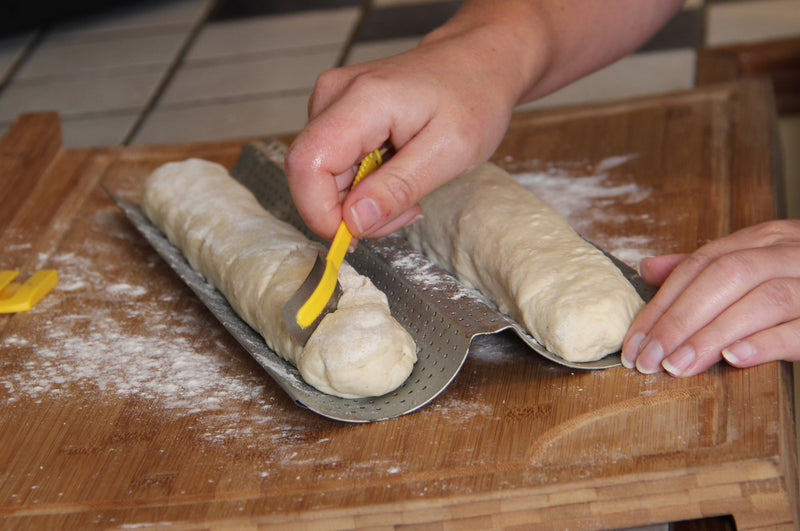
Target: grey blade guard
x=441, y=314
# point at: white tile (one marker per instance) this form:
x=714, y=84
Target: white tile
x=128, y=90
x=275, y=33
x=57, y=56
x=635, y=75
x=105, y=130
x=197, y=82
x=137, y=16
x=11, y=50
x=240, y=119
x=368, y=51
x=739, y=22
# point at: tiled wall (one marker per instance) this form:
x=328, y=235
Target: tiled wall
x=187, y=70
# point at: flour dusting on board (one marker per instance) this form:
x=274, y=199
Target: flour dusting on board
x=585, y=199
x=102, y=333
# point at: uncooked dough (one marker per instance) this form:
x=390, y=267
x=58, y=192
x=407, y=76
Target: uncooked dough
x=493, y=234
x=258, y=262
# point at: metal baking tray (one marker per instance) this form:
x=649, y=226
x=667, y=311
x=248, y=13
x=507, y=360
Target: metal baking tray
x=441, y=314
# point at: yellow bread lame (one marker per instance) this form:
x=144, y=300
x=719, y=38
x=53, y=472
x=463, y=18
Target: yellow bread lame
x=317, y=301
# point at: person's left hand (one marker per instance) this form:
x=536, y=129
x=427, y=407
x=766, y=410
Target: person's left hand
x=737, y=297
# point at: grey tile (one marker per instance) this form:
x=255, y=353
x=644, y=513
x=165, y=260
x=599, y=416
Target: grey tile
x=739, y=22
x=404, y=20
x=58, y=56
x=231, y=9
x=368, y=51
x=105, y=130
x=127, y=90
x=636, y=75
x=11, y=51
x=137, y=16
x=277, y=33
x=684, y=30
x=196, y=82
x=218, y=121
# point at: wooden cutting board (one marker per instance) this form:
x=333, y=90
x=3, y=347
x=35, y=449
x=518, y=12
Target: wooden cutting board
x=124, y=403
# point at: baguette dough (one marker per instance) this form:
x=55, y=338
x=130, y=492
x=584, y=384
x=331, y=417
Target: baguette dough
x=258, y=262
x=493, y=234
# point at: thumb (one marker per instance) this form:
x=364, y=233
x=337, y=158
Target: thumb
x=393, y=191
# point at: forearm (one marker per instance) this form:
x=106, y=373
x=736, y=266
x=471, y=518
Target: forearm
x=543, y=45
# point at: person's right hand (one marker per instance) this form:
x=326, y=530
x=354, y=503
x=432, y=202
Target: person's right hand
x=444, y=106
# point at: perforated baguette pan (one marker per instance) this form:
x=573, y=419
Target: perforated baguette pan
x=441, y=314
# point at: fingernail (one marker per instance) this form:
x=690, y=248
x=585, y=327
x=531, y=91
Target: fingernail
x=631, y=349
x=365, y=214
x=415, y=219
x=738, y=353
x=680, y=360
x=649, y=361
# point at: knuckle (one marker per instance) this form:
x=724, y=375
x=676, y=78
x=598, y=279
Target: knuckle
x=293, y=161
x=369, y=86
x=328, y=81
x=782, y=293
x=777, y=231
x=404, y=191
x=698, y=261
x=327, y=85
x=673, y=324
x=735, y=268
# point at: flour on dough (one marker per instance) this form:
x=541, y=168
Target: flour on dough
x=258, y=262
x=493, y=234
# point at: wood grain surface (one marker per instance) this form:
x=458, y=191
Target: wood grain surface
x=124, y=403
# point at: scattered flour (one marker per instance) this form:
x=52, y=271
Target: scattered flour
x=100, y=333
x=586, y=199
x=425, y=275
x=580, y=198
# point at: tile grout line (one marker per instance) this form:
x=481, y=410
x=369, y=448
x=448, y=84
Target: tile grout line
x=169, y=74
x=366, y=7
x=22, y=59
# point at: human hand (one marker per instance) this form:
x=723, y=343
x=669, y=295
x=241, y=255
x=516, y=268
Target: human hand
x=446, y=104
x=444, y=107
x=737, y=297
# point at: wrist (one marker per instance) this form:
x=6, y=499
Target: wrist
x=509, y=39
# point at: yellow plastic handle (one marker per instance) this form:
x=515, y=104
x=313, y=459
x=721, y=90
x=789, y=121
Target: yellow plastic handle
x=316, y=303
x=15, y=297
x=341, y=242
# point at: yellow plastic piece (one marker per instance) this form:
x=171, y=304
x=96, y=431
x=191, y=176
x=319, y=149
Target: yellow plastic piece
x=16, y=297
x=316, y=303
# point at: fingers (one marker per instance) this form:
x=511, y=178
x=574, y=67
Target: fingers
x=426, y=162
x=319, y=163
x=438, y=130
x=655, y=269
x=739, y=286
x=765, y=311
x=777, y=343
x=354, y=111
